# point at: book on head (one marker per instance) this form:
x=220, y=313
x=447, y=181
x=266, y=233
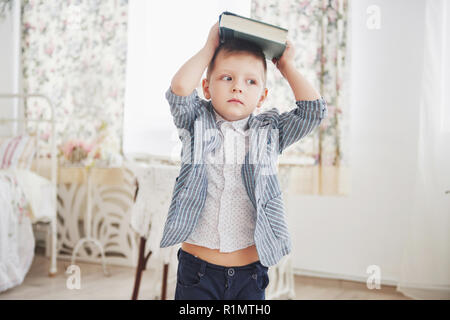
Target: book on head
x=271, y=38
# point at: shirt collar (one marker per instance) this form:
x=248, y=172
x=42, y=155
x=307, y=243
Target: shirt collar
x=240, y=125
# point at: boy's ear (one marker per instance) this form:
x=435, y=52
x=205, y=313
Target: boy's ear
x=205, y=86
x=263, y=97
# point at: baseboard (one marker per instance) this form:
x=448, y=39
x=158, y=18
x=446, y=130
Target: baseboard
x=327, y=275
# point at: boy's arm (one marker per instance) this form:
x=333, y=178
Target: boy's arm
x=181, y=95
x=188, y=76
x=300, y=86
x=311, y=107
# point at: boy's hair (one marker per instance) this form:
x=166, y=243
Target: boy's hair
x=238, y=46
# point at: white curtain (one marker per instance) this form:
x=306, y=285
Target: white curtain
x=425, y=270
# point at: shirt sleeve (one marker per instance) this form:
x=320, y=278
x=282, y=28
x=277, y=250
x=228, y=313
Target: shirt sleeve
x=184, y=109
x=299, y=122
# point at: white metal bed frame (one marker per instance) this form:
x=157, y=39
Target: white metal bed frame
x=53, y=172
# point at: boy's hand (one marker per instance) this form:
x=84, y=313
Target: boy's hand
x=301, y=88
x=287, y=59
x=188, y=76
x=213, y=37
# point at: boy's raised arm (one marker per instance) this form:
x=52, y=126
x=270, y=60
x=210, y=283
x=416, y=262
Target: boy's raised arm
x=188, y=76
x=301, y=88
x=311, y=107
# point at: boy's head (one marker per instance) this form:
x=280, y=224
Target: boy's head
x=236, y=71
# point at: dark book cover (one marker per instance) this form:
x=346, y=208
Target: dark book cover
x=271, y=48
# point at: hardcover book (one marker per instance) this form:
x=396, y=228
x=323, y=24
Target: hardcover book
x=271, y=38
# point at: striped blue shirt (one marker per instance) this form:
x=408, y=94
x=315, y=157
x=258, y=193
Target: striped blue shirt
x=270, y=133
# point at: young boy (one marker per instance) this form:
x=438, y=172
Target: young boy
x=227, y=208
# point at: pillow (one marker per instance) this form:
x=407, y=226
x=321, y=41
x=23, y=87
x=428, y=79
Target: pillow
x=17, y=152
x=39, y=193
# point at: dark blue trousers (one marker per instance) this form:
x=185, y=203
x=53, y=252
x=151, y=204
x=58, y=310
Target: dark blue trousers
x=201, y=280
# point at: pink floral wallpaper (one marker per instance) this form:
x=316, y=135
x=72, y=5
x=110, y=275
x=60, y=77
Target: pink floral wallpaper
x=75, y=52
x=318, y=29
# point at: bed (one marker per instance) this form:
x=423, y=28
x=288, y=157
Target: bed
x=26, y=196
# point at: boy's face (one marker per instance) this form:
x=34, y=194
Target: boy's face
x=237, y=76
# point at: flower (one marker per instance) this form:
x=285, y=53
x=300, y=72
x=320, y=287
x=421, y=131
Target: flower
x=103, y=149
x=75, y=150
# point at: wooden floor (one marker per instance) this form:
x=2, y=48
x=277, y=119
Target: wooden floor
x=119, y=286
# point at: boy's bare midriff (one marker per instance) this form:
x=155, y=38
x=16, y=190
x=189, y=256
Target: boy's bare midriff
x=230, y=259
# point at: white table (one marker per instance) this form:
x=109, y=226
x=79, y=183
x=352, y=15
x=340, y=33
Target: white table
x=148, y=215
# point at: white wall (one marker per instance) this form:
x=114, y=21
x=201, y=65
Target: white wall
x=341, y=236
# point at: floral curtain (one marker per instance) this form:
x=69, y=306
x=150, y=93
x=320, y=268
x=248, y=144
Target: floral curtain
x=75, y=53
x=318, y=29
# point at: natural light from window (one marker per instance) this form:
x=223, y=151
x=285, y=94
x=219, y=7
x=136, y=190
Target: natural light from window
x=162, y=35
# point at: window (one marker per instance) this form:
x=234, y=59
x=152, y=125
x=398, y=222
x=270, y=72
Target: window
x=162, y=35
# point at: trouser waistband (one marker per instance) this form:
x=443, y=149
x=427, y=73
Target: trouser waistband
x=190, y=257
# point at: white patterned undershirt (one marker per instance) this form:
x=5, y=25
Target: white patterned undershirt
x=228, y=219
